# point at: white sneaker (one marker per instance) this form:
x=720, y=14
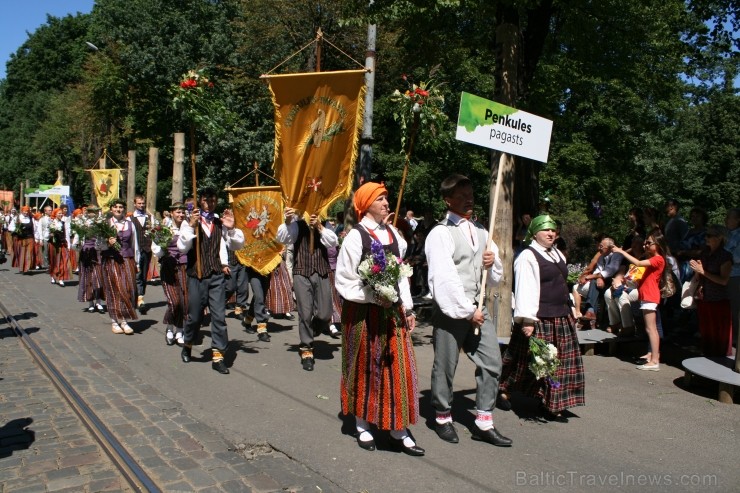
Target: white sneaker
x=53, y=281
x=649, y=367
x=180, y=338
x=116, y=328
x=127, y=328
x=61, y=283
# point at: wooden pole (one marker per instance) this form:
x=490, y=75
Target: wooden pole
x=178, y=168
x=412, y=139
x=152, y=180
x=22, y=198
x=256, y=175
x=482, y=296
x=198, y=268
x=131, y=181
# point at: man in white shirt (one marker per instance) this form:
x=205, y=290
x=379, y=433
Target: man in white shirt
x=457, y=253
x=142, y=223
x=42, y=237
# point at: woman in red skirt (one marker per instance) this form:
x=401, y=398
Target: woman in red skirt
x=24, y=252
x=379, y=378
x=58, y=248
x=715, y=317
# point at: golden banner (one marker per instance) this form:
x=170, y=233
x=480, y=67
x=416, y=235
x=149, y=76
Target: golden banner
x=105, y=185
x=318, y=118
x=258, y=211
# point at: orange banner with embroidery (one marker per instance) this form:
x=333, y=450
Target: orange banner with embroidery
x=105, y=185
x=318, y=119
x=258, y=211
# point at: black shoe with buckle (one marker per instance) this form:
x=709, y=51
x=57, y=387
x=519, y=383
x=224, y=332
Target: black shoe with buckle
x=446, y=431
x=143, y=308
x=263, y=336
x=186, y=354
x=491, y=436
x=398, y=445
x=220, y=366
x=366, y=444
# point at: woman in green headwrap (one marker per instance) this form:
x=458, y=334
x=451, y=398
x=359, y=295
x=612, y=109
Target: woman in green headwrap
x=543, y=309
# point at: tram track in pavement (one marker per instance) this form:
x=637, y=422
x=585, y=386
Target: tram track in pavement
x=127, y=466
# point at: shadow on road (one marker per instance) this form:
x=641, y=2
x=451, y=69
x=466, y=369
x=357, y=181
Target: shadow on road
x=14, y=435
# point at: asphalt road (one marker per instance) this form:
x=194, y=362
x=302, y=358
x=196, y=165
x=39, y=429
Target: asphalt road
x=638, y=429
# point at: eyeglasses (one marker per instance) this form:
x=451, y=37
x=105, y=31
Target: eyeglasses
x=648, y=243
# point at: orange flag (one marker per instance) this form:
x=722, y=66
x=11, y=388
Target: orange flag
x=258, y=211
x=318, y=118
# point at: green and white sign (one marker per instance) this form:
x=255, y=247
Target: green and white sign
x=493, y=125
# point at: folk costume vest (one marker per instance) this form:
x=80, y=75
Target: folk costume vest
x=307, y=262
x=210, y=250
x=554, y=300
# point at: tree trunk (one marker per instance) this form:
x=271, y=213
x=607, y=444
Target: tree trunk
x=131, y=181
x=178, y=168
x=151, y=181
x=507, y=41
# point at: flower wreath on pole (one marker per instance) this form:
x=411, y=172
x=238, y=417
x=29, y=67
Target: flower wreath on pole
x=195, y=97
x=420, y=105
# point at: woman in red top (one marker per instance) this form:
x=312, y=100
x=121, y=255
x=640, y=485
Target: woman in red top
x=656, y=251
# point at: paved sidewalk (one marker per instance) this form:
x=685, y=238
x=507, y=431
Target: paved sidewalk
x=54, y=451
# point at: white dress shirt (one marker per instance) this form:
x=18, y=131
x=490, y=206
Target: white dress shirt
x=348, y=282
x=233, y=239
x=445, y=284
x=287, y=234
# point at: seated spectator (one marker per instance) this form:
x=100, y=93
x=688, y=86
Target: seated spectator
x=592, y=284
x=621, y=298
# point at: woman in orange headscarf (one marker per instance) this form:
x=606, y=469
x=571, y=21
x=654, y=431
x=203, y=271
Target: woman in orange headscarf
x=379, y=379
x=23, y=229
x=58, y=248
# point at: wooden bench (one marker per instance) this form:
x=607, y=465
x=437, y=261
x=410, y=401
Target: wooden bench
x=719, y=369
x=589, y=338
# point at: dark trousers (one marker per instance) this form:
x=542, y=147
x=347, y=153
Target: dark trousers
x=313, y=300
x=144, y=259
x=207, y=292
x=259, y=285
x=238, y=282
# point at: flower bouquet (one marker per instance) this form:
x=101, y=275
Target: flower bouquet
x=382, y=271
x=55, y=234
x=543, y=360
x=161, y=235
x=574, y=271
x=80, y=227
x=101, y=229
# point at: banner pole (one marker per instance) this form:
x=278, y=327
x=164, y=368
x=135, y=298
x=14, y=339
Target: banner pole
x=198, y=269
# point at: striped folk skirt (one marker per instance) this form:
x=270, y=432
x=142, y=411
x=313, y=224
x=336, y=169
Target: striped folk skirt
x=91, y=277
x=26, y=255
x=175, y=285
x=279, y=296
x=336, y=300
x=561, y=332
x=119, y=285
x=379, y=378
x=16, y=252
x=59, y=262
